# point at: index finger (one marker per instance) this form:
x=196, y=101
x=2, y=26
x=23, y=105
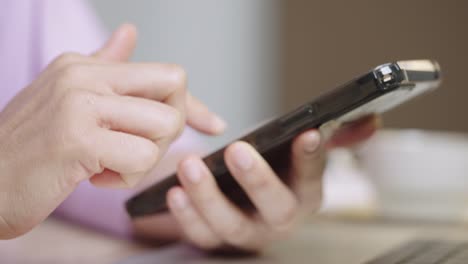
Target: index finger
x=201, y=118
x=161, y=82
x=155, y=81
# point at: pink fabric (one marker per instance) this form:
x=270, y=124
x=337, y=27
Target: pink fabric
x=32, y=33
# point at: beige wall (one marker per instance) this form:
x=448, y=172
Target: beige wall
x=325, y=43
x=228, y=47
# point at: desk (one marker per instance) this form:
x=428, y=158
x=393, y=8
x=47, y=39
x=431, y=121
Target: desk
x=321, y=240
x=55, y=241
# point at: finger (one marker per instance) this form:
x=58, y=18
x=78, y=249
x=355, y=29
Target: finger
x=163, y=83
x=308, y=163
x=156, y=82
x=226, y=220
x=130, y=156
x=202, y=119
x=275, y=202
x=190, y=221
x=153, y=81
x=146, y=118
x=120, y=45
x=355, y=132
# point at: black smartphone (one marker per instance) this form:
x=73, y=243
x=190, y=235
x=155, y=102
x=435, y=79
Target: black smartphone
x=376, y=91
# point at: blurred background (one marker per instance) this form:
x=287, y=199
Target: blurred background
x=253, y=59
x=230, y=49
x=326, y=43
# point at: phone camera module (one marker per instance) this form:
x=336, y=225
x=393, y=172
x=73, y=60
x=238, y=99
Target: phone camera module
x=387, y=75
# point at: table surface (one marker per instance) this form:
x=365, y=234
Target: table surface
x=323, y=240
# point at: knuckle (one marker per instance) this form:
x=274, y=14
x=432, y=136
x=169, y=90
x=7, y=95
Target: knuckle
x=177, y=124
x=75, y=102
x=174, y=124
x=66, y=59
x=147, y=158
x=178, y=76
x=71, y=74
x=74, y=97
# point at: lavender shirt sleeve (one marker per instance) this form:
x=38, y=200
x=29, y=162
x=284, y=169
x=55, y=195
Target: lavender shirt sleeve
x=32, y=33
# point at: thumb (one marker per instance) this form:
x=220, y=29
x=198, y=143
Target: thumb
x=120, y=46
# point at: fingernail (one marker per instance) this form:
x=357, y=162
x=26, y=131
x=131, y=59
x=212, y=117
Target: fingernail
x=179, y=199
x=311, y=142
x=191, y=171
x=242, y=157
x=219, y=124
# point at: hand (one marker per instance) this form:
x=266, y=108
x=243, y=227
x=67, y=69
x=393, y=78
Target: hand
x=89, y=117
x=207, y=219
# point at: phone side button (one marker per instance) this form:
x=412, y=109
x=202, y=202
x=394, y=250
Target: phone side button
x=298, y=117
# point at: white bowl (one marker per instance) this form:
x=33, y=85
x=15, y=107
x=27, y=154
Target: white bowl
x=418, y=174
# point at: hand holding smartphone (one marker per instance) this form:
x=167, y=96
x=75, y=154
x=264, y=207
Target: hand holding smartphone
x=377, y=91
